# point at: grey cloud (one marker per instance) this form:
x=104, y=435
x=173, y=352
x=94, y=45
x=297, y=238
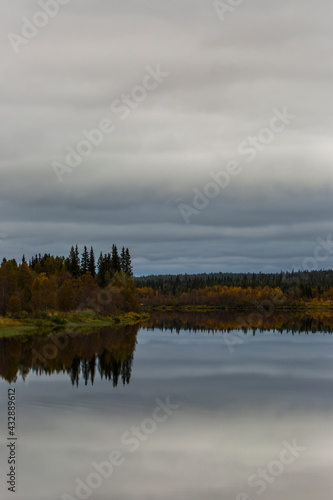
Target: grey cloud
x=225, y=80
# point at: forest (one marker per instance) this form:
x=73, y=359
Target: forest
x=66, y=284
x=306, y=281
x=301, y=289
x=108, y=287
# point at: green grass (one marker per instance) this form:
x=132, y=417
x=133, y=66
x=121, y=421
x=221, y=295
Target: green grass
x=12, y=331
x=65, y=322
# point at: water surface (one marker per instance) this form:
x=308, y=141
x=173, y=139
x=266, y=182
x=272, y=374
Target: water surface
x=235, y=402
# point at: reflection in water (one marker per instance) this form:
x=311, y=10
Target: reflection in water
x=237, y=411
x=110, y=351
x=232, y=320
x=80, y=355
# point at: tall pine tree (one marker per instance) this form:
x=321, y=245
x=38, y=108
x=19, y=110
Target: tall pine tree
x=115, y=260
x=73, y=262
x=92, y=264
x=85, y=261
x=103, y=269
x=128, y=264
x=123, y=259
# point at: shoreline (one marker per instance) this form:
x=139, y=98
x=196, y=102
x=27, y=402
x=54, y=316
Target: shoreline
x=59, y=322
x=303, y=308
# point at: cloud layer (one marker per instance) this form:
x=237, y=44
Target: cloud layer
x=222, y=81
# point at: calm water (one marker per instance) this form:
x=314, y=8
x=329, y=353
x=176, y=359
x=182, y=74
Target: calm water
x=187, y=415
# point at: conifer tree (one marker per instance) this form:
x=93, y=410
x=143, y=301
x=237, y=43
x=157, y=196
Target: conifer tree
x=128, y=264
x=123, y=259
x=73, y=262
x=85, y=261
x=103, y=269
x=92, y=264
x=115, y=260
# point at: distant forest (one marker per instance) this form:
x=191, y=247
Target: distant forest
x=238, y=290
x=308, y=282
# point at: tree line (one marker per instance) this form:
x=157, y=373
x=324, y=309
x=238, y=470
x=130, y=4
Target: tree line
x=309, y=283
x=108, y=264
x=108, y=286
x=68, y=283
x=236, y=297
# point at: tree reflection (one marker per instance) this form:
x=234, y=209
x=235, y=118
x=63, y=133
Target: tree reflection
x=109, y=351
x=245, y=321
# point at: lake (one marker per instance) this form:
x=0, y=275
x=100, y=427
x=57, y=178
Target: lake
x=171, y=410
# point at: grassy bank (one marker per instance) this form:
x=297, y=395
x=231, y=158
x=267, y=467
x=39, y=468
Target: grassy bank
x=63, y=322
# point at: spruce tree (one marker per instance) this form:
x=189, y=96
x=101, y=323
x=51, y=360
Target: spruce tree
x=128, y=264
x=92, y=264
x=73, y=262
x=85, y=261
x=123, y=260
x=77, y=258
x=102, y=269
x=69, y=261
x=115, y=260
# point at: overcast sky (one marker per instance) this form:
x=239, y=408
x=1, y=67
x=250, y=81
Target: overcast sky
x=183, y=90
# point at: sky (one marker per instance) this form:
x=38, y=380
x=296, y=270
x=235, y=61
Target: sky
x=196, y=133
